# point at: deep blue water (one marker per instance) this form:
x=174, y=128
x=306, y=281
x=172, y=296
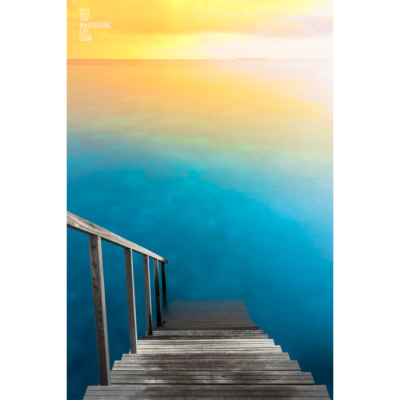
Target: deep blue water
x=232, y=226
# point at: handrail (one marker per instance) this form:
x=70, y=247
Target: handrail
x=81, y=225
x=96, y=234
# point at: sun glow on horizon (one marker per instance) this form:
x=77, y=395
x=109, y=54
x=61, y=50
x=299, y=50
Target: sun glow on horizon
x=201, y=29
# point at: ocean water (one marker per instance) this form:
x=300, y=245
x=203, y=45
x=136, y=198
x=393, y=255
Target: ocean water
x=222, y=167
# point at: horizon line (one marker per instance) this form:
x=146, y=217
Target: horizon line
x=200, y=59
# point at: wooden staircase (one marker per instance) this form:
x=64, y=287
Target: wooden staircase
x=208, y=350
x=197, y=349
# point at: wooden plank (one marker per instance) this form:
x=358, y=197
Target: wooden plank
x=157, y=290
x=186, y=397
x=166, y=345
x=177, y=369
x=160, y=381
x=200, y=322
x=205, y=334
x=209, y=322
x=208, y=397
x=99, y=302
x=228, y=325
x=269, y=359
x=187, y=361
x=219, y=352
x=242, y=357
x=229, y=374
x=221, y=346
x=265, y=366
x=84, y=226
x=224, y=388
x=208, y=336
x=204, y=337
x=236, y=349
x=164, y=284
x=259, y=362
x=211, y=355
x=200, y=332
x=262, y=352
x=207, y=394
x=210, y=380
x=205, y=362
x=194, y=341
x=204, y=327
x=218, y=379
x=147, y=290
x=211, y=348
x=130, y=290
x=205, y=350
x=217, y=339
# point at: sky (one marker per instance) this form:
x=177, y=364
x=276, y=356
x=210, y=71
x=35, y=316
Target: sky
x=200, y=29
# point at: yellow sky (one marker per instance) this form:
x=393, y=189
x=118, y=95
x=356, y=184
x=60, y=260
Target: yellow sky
x=201, y=29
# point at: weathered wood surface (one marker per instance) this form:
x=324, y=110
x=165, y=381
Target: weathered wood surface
x=208, y=359
x=206, y=327
x=207, y=310
x=185, y=397
x=164, y=284
x=99, y=302
x=162, y=344
x=230, y=374
x=147, y=293
x=130, y=290
x=204, y=391
x=200, y=332
x=211, y=356
x=84, y=226
x=212, y=336
x=157, y=291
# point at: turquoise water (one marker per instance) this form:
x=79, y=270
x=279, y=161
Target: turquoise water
x=223, y=168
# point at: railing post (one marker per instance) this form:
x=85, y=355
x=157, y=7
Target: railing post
x=164, y=284
x=147, y=292
x=157, y=285
x=130, y=290
x=99, y=302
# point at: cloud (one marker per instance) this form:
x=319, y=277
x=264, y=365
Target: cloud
x=301, y=26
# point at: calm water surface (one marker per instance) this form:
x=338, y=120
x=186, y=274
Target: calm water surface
x=222, y=167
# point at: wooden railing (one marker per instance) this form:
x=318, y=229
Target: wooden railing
x=96, y=235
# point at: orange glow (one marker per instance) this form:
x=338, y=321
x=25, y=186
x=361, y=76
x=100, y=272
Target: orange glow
x=202, y=29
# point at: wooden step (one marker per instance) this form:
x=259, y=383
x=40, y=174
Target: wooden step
x=242, y=374
x=206, y=391
x=118, y=380
x=200, y=332
x=210, y=341
x=197, y=357
x=205, y=356
x=209, y=359
x=205, y=337
x=204, y=327
x=271, y=365
x=216, y=323
x=222, y=345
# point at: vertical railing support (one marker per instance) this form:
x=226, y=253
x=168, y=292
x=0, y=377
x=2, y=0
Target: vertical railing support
x=99, y=302
x=130, y=290
x=164, y=284
x=147, y=292
x=157, y=286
